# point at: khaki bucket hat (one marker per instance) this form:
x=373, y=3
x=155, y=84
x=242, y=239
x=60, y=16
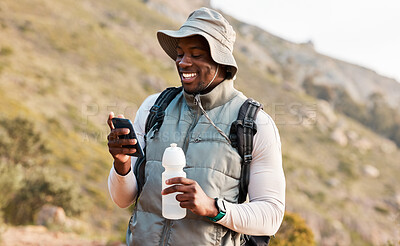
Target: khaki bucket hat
x=213, y=27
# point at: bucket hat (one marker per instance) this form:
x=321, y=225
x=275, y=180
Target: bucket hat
x=213, y=27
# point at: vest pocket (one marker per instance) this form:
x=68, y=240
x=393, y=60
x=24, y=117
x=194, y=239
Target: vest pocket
x=194, y=232
x=145, y=228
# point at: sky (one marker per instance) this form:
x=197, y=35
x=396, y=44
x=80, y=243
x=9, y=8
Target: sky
x=363, y=32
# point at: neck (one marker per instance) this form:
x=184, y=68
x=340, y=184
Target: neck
x=219, y=95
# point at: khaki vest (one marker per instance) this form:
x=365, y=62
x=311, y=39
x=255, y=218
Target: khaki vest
x=210, y=160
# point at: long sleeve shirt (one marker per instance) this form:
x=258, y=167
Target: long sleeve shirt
x=263, y=214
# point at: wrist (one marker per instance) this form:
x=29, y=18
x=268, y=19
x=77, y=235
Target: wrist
x=122, y=168
x=214, y=209
x=220, y=206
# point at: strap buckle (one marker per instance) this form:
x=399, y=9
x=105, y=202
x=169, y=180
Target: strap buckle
x=154, y=109
x=249, y=123
x=160, y=115
x=247, y=159
x=255, y=103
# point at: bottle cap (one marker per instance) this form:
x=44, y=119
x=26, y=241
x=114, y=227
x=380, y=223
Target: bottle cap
x=173, y=156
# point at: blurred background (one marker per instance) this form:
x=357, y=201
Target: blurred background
x=65, y=64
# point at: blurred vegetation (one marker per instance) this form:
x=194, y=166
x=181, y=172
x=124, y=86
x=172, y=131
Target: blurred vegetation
x=293, y=232
x=6, y=51
x=21, y=144
x=26, y=180
x=10, y=182
x=41, y=187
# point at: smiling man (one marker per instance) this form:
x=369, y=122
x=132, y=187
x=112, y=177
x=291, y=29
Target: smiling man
x=198, y=119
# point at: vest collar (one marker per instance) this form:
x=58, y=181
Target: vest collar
x=221, y=94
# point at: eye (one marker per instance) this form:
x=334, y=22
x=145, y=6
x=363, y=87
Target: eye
x=196, y=56
x=179, y=52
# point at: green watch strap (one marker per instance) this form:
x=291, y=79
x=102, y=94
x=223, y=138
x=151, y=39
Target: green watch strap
x=220, y=214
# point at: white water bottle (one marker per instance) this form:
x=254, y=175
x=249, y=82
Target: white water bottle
x=173, y=161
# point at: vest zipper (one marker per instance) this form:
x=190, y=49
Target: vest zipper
x=165, y=232
x=188, y=134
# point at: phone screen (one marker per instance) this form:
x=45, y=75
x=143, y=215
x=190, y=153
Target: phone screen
x=126, y=123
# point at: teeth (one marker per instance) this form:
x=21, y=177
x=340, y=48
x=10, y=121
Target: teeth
x=188, y=75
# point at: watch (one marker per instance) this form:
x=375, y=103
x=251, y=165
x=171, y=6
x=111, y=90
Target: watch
x=220, y=205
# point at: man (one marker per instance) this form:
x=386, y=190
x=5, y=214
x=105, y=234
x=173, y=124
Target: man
x=199, y=120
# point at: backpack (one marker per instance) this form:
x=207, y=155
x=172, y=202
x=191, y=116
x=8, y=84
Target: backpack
x=241, y=135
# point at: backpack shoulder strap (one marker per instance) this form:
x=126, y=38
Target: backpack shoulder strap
x=157, y=111
x=154, y=119
x=241, y=134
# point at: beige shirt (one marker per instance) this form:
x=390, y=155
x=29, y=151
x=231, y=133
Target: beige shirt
x=263, y=214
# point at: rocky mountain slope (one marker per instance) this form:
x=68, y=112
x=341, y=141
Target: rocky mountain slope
x=65, y=64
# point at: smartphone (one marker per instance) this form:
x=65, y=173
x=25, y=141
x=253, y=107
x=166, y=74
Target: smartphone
x=126, y=123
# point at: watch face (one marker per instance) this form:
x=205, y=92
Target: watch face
x=221, y=205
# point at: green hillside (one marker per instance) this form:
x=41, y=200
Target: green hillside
x=65, y=64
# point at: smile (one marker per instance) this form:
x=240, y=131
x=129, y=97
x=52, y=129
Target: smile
x=188, y=75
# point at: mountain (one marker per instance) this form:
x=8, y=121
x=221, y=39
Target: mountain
x=65, y=64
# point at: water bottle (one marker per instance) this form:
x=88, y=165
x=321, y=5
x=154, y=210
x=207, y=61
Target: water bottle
x=173, y=161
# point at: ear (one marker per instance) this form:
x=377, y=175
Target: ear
x=228, y=70
x=222, y=70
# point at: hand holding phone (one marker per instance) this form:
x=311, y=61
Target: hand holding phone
x=126, y=123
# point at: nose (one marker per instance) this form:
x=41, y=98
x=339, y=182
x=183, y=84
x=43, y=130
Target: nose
x=184, y=61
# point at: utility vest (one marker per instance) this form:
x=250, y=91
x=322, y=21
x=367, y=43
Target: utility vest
x=210, y=160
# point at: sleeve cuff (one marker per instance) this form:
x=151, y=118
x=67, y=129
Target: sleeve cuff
x=224, y=220
x=115, y=176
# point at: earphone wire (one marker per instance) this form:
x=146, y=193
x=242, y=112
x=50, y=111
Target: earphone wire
x=215, y=75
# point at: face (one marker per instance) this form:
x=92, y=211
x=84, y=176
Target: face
x=195, y=66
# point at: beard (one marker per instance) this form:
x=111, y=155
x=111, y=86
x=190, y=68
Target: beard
x=198, y=89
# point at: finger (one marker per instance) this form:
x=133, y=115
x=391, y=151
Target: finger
x=114, y=134
x=121, y=116
x=184, y=197
x=115, y=150
x=120, y=131
x=120, y=150
x=180, y=180
x=179, y=188
x=127, y=141
x=114, y=144
x=120, y=142
x=109, y=121
x=187, y=204
x=128, y=150
x=169, y=190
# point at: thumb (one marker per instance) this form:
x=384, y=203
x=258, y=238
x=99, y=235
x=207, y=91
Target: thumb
x=109, y=122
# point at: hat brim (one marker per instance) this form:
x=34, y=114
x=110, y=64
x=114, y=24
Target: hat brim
x=168, y=40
